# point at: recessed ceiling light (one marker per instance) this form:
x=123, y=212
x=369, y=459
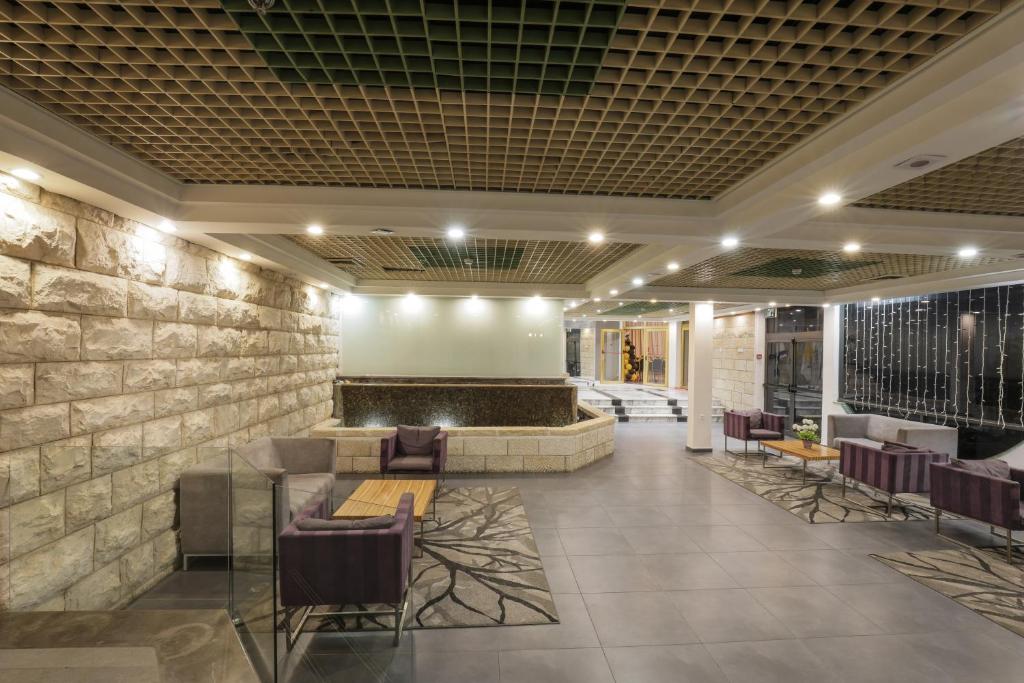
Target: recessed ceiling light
x=597, y=299
x=967, y=252
x=474, y=297
x=826, y=305
x=673, y=266
x=26, y=174
x=757, y=310
x=729, y=242
x=654, y=301
x=595, y=237
x=167, y=226
x=599, y=310
x=830, y=199
x=637, y=281
x=772, y=304
x=671, y=310
x=323, y=285
x=314, y=230
x=851, y=247
x=456, y=232
x=245, y=256
x=876, y=299
x=613, y=292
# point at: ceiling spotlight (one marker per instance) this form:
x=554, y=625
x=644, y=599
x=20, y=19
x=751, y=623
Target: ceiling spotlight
x=595, y=237
x=245, y=256
x=167, y=226
x=613, y=292
x=729, y=242
x=573, y=304
x=599, y=310
x=671, y=310
x=314, y=230
x=26, y=174
x=673, y=266
x=654, y=301
x=967, y=252
x=597, y=299
x=826, y=305
x=757, y=310
x=473, y=297
x=876, y=299
x=772, y=304
x=323, y=285
x=637, y=281
x=851, y=247
x=830, y=199
x=456, y=232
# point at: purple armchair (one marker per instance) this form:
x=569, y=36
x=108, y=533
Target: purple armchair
x=894, y=468
x=414, y=450
x=330, y=565
x=985, y=498
x=752, y=425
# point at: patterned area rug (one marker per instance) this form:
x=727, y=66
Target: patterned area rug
x=480, y=567
x=820, y=500
x=977, y=579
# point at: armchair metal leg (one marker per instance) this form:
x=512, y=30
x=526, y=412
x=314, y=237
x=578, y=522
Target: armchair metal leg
x=844, y=486
x=888, y=507
x=938, y=513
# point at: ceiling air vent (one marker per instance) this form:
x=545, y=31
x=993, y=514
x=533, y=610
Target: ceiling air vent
x=401, y=269
x=885, y=277
x=346, y=261
x=382, y=232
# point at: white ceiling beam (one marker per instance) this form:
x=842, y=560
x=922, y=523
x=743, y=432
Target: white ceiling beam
x=290, y=257
x=760, y=297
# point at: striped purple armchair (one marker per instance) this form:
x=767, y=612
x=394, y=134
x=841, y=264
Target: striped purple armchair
x=974, y=494
x=361, y=565
x=752, y=425
x=894, y=468
x=414, y=450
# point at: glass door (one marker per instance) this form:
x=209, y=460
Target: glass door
x=611, y=356
x=793, y=365
x=633, y=355
x=655, y=356
x=572, y=352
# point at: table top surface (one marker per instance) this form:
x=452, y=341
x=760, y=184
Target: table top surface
x=376, y=497
x=796, y=448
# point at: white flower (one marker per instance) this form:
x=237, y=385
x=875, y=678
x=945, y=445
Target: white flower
x=796, y=428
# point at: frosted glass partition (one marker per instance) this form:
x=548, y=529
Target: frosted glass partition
x=419, y=335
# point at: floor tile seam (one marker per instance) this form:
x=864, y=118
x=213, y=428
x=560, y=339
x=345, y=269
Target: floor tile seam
x=747, y=592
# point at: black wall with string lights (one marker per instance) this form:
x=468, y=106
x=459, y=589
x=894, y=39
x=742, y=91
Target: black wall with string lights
x=955, y=358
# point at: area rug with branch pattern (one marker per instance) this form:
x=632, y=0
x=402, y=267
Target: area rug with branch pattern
x=480, y=567
x=979, y=579
x=820, y=499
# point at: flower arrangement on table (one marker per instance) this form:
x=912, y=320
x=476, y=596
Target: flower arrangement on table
x=807, y=431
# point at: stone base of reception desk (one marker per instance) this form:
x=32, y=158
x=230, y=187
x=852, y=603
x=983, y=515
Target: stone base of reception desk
x=489, y=449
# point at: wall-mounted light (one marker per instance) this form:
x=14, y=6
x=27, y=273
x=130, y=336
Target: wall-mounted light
x=314, y=229
x=26, y=174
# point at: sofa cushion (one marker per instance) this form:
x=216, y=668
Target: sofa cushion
x=999, y=469
x=304, y=489
x=882, y=428
x=759, y=434
x=416, y=440
x=316, y=524
x=755, y=419
x=411, y=463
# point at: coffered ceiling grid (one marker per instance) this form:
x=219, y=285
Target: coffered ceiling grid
x=620, y=308
x=754, y=268
x=689, y=99
x=991, y=182
x=467, y=260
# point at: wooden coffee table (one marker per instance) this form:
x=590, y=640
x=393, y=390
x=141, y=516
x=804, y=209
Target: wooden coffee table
x=376, y=497
x=797, y=449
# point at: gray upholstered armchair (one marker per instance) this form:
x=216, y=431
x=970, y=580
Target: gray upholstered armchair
x=341, y=562
x=301, y=469
x=874, y=430
x=414, y=450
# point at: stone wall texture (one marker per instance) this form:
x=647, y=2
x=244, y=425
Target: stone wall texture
x=732, y=373
x=126, y=354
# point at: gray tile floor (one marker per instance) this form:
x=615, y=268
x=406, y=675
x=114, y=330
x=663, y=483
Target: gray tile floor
x=663, y=571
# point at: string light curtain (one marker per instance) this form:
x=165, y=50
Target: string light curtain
x=955, y=358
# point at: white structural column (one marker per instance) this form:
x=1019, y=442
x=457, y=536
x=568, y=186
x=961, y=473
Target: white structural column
x=675, y=376
x=759, y=358
x=831, y=348
x=698, y=362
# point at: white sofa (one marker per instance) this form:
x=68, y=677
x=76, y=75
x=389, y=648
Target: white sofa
x=873, y=430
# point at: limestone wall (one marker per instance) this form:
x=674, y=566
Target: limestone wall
x=732, y=374
x=588, y=354
x=123, y=353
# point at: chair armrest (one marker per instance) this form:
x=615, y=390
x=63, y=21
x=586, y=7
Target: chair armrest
x=305, y=455
x=984, y=498
x=440, y=451
x=388, y=445
x=1017, y=475
x=735, y=425
x=774, y=422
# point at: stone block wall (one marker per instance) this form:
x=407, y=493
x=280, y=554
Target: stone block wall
x=732, y=373
x=124, y=354
x=587, y=352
